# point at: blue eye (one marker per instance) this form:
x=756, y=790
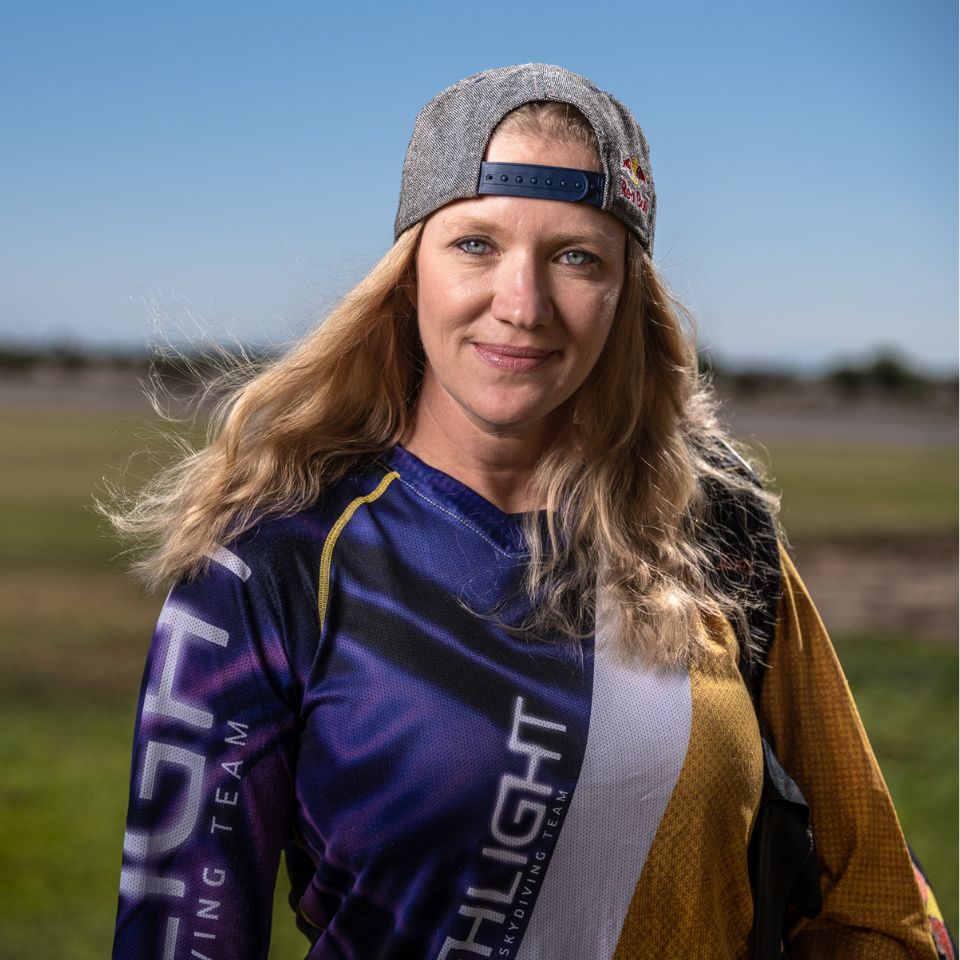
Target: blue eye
x=473, y=245
x=578, y=258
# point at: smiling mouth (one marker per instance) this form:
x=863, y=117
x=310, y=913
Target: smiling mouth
x=513, y=358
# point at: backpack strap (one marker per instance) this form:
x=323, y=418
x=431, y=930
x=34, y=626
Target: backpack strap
x=743, y=544
x=741, y=539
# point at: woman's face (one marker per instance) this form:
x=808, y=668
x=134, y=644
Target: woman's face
x=515, y=300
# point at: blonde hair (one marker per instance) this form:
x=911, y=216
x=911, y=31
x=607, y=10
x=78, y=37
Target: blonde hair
x=287, y=432
x=623, y=483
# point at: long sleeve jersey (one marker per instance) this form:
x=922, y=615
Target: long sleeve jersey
x=344, y=685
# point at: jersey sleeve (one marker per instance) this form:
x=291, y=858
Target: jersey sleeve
x=212, y=773
x=872, y=906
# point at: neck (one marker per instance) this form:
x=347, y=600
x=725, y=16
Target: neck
x=497, y=464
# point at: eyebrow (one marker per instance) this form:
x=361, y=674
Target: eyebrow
x=472, y=224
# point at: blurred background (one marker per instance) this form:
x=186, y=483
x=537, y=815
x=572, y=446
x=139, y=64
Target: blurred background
x=192, y=174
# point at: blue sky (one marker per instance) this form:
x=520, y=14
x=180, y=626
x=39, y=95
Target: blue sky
x=236, y=166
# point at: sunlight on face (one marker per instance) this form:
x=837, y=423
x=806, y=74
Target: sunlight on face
x=515, y=299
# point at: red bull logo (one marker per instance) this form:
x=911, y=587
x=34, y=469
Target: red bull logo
x=634, y=170
x=633, y=184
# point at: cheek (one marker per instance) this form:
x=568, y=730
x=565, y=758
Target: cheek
x=609, y=301
x=430, y=310
x=444, y=305
x=598, y=317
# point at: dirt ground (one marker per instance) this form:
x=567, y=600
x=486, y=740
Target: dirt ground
x=850, y=582
x=853, y=585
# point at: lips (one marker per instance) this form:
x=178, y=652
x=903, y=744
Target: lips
x=517, y=358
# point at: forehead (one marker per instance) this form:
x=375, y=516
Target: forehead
x=512, y=146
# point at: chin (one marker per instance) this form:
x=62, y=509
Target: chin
x=503, y=419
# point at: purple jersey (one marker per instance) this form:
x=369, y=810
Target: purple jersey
x=326, y=688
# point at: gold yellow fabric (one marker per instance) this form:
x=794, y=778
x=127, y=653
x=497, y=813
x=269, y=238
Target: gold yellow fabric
x=872, y=905
x=693, y=899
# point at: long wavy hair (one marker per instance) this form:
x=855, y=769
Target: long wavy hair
x=623, y=483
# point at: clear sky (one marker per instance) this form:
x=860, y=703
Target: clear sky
x=239, y=162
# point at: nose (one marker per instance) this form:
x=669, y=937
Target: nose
x=522, y=295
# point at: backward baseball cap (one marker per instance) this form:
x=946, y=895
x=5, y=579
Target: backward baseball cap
x=452, y=131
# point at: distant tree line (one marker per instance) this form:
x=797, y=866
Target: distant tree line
x=169, y=361
x=886, y=373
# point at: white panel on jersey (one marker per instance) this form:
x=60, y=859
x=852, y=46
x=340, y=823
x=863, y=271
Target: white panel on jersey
x=639, y=730
x=231, y=561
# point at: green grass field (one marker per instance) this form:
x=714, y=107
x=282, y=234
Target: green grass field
x=850, y=491
x=74, y=630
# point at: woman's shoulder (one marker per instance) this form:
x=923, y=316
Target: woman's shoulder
x=278, y=541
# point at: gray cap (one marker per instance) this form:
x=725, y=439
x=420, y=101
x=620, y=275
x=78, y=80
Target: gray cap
x=452, y=131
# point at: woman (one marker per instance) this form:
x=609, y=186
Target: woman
x=446, y=626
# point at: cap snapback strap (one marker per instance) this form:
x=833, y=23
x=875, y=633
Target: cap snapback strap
x=545, y=183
